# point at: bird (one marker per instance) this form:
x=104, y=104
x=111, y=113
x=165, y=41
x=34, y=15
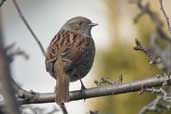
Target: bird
x=70, y=55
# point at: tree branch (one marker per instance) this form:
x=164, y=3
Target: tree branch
x=165, y=15
x=2, y=2
x=133, y=86
x=160, y=103
x=28, y=26
x=152, y=106
x=153, y=59
x=145, y=9
x=8, y=102
x=11, y=52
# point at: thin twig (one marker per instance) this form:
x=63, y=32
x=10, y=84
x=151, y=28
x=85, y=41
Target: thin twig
x=103, y=81
x=152, y=57
x=145, y=9
x=165, y=15
x=107, y=81
x=155, y=105
x=19, y=52
x=12, y=51
x=28, y=26
x=2, y=2
x=152, y=106
x=8, y=101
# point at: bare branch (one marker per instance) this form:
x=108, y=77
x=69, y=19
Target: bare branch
x=161, y=102
x=29, y=96
x=8, y=102
x=165, y=15
x=103, y=81
x=28, y=26
x=103, y=91
x=152, y=106
x=2, y=2
x=145, y=9
x=11, y=52
x=152, y=57
x=120, y=78
x=161, y=91
x=19, y=52
x=107, y=81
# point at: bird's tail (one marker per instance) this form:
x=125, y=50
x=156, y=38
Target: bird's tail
x=62, y=90
x=62, y=84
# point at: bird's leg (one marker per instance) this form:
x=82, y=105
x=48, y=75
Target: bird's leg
x=82, y=86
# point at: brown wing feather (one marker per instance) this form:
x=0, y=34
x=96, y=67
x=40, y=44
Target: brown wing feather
x=67, y=45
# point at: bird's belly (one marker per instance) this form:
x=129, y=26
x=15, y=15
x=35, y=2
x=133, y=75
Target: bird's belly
x=82, y=67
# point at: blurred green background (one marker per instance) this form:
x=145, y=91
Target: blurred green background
x=120, y=58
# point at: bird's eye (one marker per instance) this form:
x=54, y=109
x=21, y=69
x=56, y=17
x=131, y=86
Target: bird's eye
x=78, y=24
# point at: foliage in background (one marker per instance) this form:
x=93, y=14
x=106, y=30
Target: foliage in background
x=120, y=58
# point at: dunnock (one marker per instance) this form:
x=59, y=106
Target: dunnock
x=70, y=55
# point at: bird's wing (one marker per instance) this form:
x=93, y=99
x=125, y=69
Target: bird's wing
x=69, y=46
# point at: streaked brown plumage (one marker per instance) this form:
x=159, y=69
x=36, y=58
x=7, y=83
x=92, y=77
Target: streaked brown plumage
x=70, y=55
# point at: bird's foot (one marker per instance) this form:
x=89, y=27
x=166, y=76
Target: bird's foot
x=83, y=88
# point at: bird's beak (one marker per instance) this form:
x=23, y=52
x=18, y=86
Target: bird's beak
x=93, y=24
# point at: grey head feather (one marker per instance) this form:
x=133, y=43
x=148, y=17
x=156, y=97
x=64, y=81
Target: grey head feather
x=80, y=25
